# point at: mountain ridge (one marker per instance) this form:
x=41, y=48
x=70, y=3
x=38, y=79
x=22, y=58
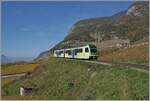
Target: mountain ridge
x=129, y=24
x=5, y=59
x=8, y=59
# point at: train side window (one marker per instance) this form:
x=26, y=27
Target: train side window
x=86, y=50
x=68, y=52
x=57, y=53
x=60, y=52
x=78, y=51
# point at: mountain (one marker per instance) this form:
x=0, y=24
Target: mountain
x=5, y=59
x=44, y=55
x=16, y=59
x=131, y=24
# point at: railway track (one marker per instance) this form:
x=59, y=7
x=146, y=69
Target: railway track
x=129, y=65
x=132, y=65
x=145, y=67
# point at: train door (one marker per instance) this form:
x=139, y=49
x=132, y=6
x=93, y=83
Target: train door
x=86, y=53
x=73, y=53
x=64, y=53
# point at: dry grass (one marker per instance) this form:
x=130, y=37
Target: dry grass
x=18, y=68
x=137, y=53
x=7, y=81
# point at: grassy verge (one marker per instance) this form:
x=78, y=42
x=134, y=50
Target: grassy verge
x=62, y=79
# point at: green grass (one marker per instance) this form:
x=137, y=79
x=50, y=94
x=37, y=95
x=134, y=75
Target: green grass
x=62, y=79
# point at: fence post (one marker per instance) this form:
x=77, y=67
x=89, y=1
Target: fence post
x=21, y=91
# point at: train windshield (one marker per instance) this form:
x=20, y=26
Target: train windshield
x=93, y=50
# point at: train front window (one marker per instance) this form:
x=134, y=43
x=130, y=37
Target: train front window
x=93, y=50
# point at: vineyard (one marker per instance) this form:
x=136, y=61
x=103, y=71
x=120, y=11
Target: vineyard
x=136, y=54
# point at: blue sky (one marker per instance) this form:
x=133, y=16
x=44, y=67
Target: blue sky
x=29, y=28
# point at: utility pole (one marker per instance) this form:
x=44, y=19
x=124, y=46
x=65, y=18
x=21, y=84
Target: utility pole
x=96, y=38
